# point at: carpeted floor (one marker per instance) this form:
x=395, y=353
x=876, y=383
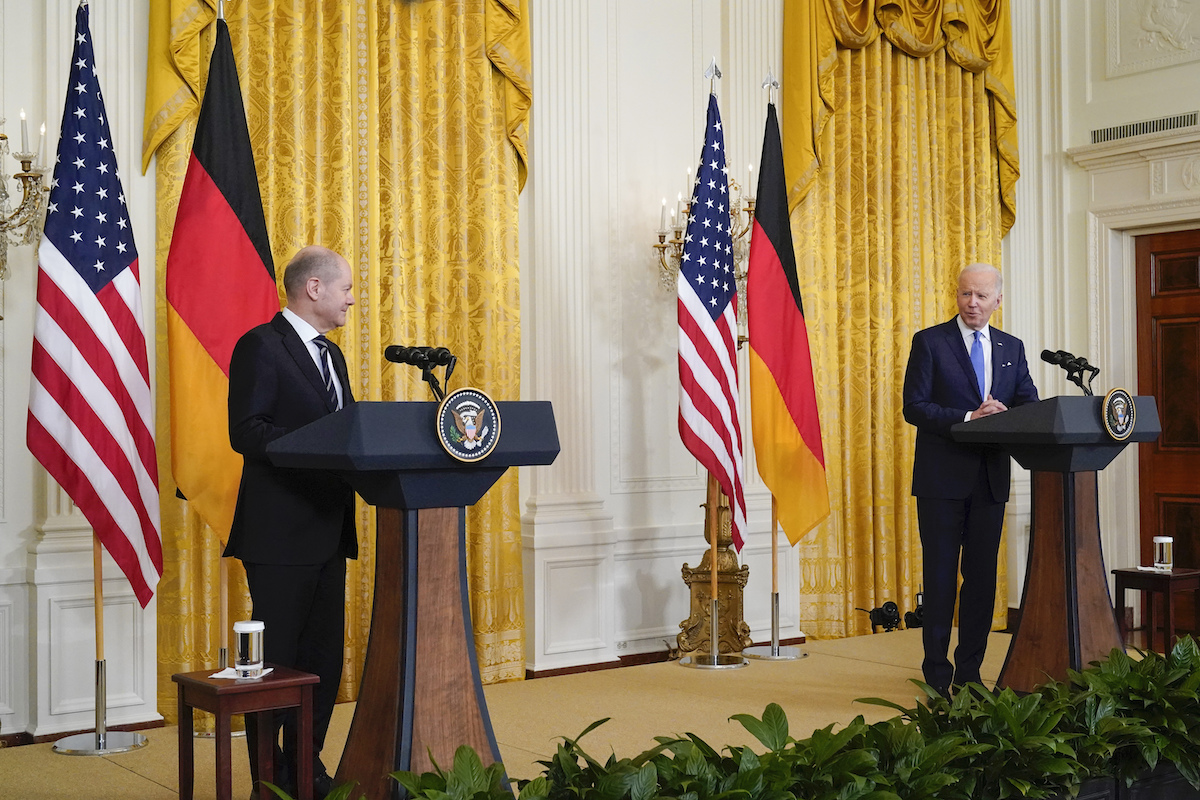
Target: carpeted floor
x=530, y=717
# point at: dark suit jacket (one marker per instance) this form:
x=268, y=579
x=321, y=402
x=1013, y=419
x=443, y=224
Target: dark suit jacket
x=939, y=390
x=284, y=516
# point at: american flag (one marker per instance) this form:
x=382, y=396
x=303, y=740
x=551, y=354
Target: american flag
x=91, y=422
x=708, y=379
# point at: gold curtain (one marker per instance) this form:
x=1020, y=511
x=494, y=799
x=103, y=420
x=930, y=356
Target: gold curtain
x=394, y=133
x=899, y=157
x=976, y=34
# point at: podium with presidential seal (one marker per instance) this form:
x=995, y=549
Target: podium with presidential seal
x=421, y=464
x=1067, y=617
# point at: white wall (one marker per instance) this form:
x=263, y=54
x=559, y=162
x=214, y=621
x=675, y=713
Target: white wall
x=619, y=117
x=1071, y=248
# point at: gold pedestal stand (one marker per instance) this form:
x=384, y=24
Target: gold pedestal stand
x=733, y=633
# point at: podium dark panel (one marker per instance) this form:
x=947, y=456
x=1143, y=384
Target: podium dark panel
x=421, y=696
x=1067, y=618
x=390, y=454
x=1061, y=434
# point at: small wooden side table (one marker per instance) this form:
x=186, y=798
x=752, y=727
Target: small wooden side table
x=1164, y=583
x=282, y=688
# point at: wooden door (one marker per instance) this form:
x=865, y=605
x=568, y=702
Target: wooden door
x=1168, y=332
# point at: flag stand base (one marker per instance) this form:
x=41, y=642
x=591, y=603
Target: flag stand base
x=100, y=742
x=772, y=651
x=713, y=660
x=96, y=744
x=695, y=632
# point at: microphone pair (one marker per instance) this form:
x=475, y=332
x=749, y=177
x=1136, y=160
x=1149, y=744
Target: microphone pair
x=418, y=356
x=1067, y=361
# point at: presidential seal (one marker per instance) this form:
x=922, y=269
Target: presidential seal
x=468, y=424
x=1119, y=414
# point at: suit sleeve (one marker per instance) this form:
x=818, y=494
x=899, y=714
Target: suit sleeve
x=253, y=398
x=920, y=379
x=1026, y=392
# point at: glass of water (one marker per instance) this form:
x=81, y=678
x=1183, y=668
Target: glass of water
x=1164, y=553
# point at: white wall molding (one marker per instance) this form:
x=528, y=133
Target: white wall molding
x=14, y=654
x=64, y=678
x=567, y=525
x=1125, y=201
x=1034, y=261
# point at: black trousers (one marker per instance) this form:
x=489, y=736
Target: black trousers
x=303, y=609
x=959, y=534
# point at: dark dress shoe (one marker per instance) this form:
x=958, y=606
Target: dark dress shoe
x=286, y=788
x=322, y=786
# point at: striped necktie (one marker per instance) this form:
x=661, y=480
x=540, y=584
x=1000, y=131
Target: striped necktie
x=326, y=373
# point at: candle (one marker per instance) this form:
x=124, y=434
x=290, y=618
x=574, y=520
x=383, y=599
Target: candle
x=24, y=133
x=750, y=181
x=662, y=218
x=679, y=204
x=41, y=144
x=673, y=223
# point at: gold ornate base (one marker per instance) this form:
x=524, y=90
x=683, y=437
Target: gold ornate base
x=733, y=633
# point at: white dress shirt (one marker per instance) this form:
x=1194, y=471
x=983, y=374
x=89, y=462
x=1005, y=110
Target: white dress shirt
x=307, y=334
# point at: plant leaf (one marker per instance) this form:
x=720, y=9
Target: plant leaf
x=771, y=730
x=645, y=783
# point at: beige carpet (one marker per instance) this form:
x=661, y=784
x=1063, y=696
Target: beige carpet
x=531, y=717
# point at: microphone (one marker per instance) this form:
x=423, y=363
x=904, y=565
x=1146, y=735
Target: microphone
x=1075, y=366
x=440, y=356
x=1058, y=358
x=418, y=356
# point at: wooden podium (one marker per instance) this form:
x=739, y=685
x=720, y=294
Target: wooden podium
x=1067, y=618
x=421, y=695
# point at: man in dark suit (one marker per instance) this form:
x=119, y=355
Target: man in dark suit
x=294, y=529
x=958, y=371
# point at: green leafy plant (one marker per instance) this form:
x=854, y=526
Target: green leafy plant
x=921, y=768
x=467, y=779
x=1117, y=719
x=1157, y=696
x=342, y=792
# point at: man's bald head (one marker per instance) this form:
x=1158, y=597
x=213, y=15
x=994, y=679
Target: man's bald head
x=312, y=261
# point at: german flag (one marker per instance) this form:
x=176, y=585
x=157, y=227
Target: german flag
x=783, y=400
x=220, y=283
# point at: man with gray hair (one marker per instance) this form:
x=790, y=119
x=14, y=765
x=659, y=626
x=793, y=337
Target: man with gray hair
x=958, y=371
x=294, y=529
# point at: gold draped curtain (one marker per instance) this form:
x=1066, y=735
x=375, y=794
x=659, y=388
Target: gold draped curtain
x=395, y=133
x=902, y=156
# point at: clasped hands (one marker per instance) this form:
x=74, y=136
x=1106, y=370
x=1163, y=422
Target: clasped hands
x=990, y=406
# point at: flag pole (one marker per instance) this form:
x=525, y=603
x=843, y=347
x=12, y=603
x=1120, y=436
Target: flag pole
x=100, y=742
x=713, y=73
x=773, y=651
x=713, y=658
x=223, y=616
x=713, y=502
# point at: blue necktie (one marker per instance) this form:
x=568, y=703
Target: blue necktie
x=977, y=361
x=326, y=374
